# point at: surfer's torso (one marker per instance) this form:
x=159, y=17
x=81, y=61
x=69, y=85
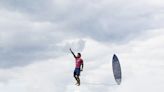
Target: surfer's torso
x=78, y=62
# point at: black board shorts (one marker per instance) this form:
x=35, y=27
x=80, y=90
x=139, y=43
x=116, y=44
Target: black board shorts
x=77, y=71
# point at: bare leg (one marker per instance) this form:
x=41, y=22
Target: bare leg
x=78, y=80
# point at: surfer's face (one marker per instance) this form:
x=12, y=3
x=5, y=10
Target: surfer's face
x=78, y=55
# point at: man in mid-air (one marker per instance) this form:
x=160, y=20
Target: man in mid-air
x=78, y=67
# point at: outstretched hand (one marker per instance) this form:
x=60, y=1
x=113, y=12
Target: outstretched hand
x=70, y=49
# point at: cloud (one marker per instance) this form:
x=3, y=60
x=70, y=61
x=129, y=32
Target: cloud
x=31, y=30
x=23, y=41
x=139, y=60
x=105, y=21
x=35, y=37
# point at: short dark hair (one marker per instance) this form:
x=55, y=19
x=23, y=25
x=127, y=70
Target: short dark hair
x=79, y=54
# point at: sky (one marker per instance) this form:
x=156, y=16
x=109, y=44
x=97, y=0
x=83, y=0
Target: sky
x=35, y=37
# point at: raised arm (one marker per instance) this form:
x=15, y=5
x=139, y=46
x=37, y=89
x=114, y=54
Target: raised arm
x=72, y=53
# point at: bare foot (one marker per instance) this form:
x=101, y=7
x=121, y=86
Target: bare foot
x=78, y=84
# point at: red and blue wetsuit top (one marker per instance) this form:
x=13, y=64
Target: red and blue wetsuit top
x=79, y=61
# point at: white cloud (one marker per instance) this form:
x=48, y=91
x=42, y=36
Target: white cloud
x=139, y=59
x=35, y=37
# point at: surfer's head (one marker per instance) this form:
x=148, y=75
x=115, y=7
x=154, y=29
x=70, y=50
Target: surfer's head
x=78, y=55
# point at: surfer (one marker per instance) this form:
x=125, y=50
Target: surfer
x=78, y=67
